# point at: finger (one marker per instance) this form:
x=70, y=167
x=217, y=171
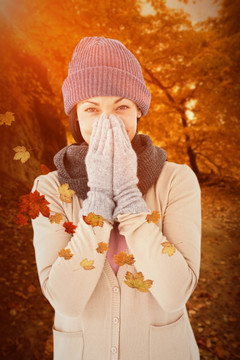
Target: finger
x=96, y=132
x=105, y=126
x=114, y=121
x=117, y=122
x=108, y=148
x=118, y=143
x=93, y=139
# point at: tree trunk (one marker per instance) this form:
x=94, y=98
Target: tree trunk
x=190, y=151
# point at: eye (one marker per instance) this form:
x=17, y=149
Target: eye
x=123, y=106
x=90, y=109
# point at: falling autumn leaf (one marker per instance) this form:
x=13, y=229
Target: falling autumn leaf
x=168, y=248
x=154, y=217
x=138, y=281
x=21, y=220
x=66, y=253
x=33, y=204
x=94, y=220
x=87, y=264
x=66, y=193
x=122, y=258
x=44, y=169
x=57, y=218
x=21, y=154
x=69, y=227
x=7, y=118
x=102, y=246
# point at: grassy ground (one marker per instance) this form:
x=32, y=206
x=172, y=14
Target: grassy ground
x=27, y=317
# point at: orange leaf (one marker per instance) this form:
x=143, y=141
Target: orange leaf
x=122, y=258
x=66, y=193
x=33, y=204
x=57, y=218
x=138, y=281
x=87, y=264
x=102, y=246
x=7, y=118
x=69, y=227
x=21, y=220
x=154, y=216
x=168, y=248
x=44, y=169
x=66, y=253
x=94, y=220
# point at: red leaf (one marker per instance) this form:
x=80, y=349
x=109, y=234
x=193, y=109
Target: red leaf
x=44, y=169
x=69, y=227
x=24, y=203
x=33, y=204
x=21, y=220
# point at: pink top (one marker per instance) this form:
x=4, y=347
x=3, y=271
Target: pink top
x=117, y=243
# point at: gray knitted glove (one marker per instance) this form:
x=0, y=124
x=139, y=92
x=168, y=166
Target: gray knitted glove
x=125, y=191
x=99, y=165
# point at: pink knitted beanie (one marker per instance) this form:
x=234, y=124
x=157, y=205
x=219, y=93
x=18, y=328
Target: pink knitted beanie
x=104, y=67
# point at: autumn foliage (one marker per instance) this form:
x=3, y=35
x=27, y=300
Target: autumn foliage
x=154, y=217
x=138, y=281
x=168, y=248
x=33, y=204
x=69, y=227
x=93, y=219
x=21, y=154
x=87, y=264
x=66, y=193
x=102, y=247
x=188, y=82
x=7, y=118
x=65, y=253
x=21, y=219
x=122, y=258
x=56, y=218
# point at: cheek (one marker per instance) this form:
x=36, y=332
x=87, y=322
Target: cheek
x=86, y=126
x=130, y=124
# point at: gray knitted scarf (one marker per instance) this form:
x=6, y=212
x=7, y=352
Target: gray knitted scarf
x=71, y=167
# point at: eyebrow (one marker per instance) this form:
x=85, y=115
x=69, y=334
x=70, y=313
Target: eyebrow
x=98, y=104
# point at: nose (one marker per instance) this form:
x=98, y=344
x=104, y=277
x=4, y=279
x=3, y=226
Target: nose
x=106, y=113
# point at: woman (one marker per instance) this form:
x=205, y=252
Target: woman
x=120, y=280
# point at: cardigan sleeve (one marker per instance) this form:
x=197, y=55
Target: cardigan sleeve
x=65, y=283
x=174, y=277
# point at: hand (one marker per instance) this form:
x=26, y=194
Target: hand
x=99, y=157
x=124, y=159
x=99, y=165
x=126, y=194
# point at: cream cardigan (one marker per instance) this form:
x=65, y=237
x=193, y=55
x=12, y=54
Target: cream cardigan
x=98, y=316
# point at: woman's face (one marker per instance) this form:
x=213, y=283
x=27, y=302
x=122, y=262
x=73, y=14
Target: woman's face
x=89, y=109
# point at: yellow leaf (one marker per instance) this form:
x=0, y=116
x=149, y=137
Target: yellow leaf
x=7, y=118
x=66, y=253
x=21, y=154
x=168, y=248
x=94, y=220
x=154, y=216
x=122, y=258
x=138, y=281
x=55, y=218
x=65, y=193
x=102, y=246
x=87, y=264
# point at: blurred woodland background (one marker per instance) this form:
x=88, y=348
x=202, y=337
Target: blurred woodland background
x=193, y=72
